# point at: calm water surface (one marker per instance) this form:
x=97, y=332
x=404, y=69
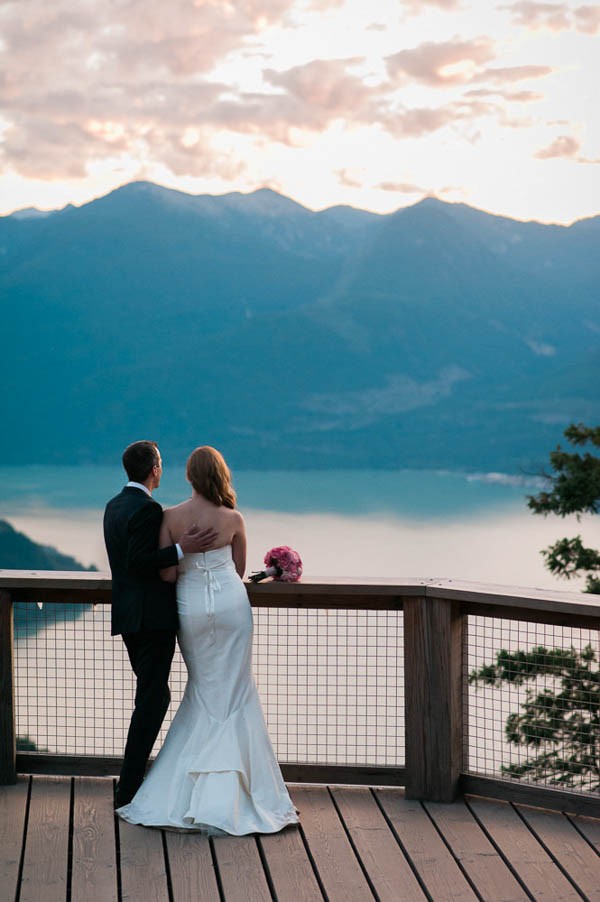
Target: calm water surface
x=344, y=523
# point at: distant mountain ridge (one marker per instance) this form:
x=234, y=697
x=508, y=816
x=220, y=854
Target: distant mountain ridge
x=435, y=336
x=19, y=552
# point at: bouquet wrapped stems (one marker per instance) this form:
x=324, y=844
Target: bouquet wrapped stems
x=265, y=574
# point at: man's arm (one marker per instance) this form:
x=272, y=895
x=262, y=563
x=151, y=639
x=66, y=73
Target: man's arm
x=143, y=553
x=164, y=540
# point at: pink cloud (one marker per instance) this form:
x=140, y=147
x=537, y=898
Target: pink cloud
x=564, y=146
x=513, y=73
x=510, y=96
x=555, y=16
x=409, y=188
x=531, y=14
x=421, y=121
x=587, y=19
x=87, y=81
x=440, y=64
x=325, y=84
x=417, y=6
x=348, y=178
x=401, y=188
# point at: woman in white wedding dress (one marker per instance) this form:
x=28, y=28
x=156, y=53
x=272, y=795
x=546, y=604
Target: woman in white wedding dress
x=216, y=771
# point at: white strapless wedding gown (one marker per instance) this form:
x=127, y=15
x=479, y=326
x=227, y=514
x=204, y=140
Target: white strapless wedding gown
x=216, y=771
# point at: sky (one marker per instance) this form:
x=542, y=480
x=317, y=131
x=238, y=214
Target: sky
x=371, y=103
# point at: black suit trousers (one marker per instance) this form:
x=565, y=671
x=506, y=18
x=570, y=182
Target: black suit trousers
x=150, y=653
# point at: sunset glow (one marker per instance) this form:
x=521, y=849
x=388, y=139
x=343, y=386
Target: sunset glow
x=327, y=101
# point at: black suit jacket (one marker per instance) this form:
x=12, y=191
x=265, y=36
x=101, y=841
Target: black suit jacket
x=140, y=599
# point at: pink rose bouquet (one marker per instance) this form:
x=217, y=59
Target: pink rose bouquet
x=282, y=563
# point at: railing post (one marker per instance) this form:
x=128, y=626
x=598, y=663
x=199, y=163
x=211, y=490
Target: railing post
x=8, y=747
x=433, y=698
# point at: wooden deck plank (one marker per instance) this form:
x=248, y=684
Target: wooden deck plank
x=529, y=860
x=590, y=827
x=191, y=867
x=531, y=840
x=143, y=869
x=46, y=858
x=291, y=872
x=94, y=847
x=568, y=848
x=436, y=867
x=13, y=810
x=339, y=871
x=488, y=872
x=240, y=869
x=380, y=854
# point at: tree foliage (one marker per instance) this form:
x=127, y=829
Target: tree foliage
x=574, y=489
x=559, y=720
x=561, y=724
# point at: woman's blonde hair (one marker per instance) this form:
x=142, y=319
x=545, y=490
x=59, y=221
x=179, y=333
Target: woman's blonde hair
x=210, y=476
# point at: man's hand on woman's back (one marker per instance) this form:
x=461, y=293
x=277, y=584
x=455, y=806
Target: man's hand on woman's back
x=195, y=540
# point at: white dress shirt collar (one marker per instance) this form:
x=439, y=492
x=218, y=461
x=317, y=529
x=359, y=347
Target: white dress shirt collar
x=139, y=485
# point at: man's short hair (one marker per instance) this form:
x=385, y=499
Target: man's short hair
x=138, y=460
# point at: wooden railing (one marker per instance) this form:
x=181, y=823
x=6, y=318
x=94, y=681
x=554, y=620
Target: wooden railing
x=435, y=616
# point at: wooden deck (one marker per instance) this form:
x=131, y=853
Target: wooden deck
x=60, y=842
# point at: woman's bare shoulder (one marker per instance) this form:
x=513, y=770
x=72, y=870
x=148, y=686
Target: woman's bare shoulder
x=235, y=517
x=172, y=513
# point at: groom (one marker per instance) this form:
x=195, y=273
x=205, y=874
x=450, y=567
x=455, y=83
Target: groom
x=144, y=610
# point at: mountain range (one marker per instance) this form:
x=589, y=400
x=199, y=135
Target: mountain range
x=19, y=552
x=438, y=336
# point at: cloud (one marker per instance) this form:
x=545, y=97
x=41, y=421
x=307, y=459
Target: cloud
x=123, y=39
x=92, y=81
x=565, y=147
x=441, y=64
x=555, y=16
x=421, y=121
x=587, y=19
x=417, y=6
x=350, y=178
x=510, y=96
x=458, y=62
x=325, y=84
x=122, y=81
x=510, y=74
x=401, y=188
x=356, y=178
x=322, y=5
x=409, y=188
x=309, y=98
x=531, y=14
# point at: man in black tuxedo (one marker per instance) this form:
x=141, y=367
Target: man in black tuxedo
x=144, y=609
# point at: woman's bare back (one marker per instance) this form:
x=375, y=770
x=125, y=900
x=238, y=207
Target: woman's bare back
x=198, y=511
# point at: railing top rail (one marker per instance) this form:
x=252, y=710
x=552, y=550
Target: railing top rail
x=93, y=580
x=532, y=599
x=55, y=579
x=335, y=589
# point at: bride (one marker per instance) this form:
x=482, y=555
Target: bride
x=216, y=771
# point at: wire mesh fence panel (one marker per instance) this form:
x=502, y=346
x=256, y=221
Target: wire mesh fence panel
x=331, y=683
x=74, y=687
x=533, y=705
